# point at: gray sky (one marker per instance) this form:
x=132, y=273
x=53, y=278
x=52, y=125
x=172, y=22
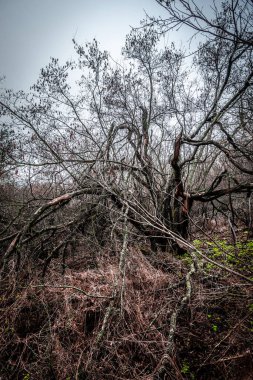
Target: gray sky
x=32, y=31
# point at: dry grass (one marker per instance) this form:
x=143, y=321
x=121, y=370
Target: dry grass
x=53, y=332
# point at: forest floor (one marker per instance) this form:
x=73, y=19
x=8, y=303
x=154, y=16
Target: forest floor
x=151, y=316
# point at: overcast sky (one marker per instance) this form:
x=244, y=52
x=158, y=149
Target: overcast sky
x=32, y=31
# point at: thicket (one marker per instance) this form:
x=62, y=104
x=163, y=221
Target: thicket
x=126, y=208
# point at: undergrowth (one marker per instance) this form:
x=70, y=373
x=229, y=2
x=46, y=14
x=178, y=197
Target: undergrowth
x=238, y=256
x=59, y=329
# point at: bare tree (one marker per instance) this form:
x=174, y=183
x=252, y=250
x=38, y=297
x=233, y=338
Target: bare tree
x=146, y=136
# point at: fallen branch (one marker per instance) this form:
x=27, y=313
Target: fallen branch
x=63, y=199
x=170, y=348
x=70, y=287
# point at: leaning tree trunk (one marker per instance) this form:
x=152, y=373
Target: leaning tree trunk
x=177, y=203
